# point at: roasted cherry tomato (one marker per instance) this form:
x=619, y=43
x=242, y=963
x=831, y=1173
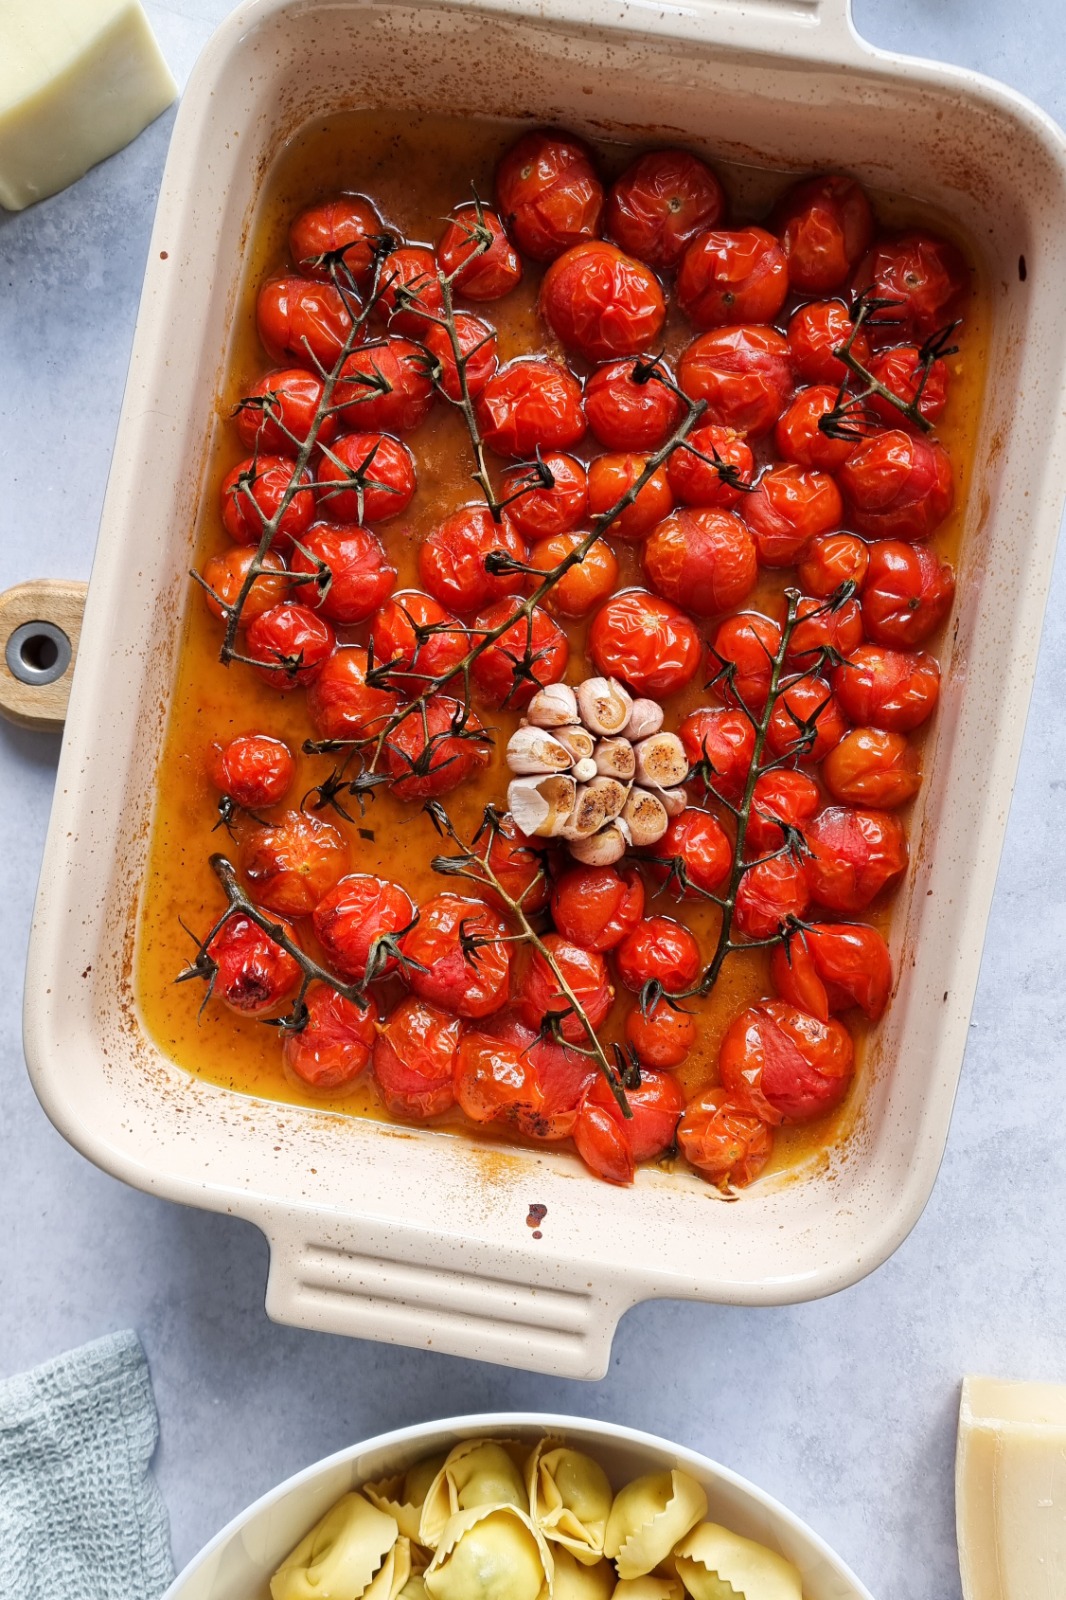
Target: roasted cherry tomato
x=410, y=296
x=540, y=510
x=703, y=559
x=350, y=575
x=648, y=643
x=370, y=477
x=530, y=405
x=358, y=923
x=893, y=689
x=806, y=721
x=538, y=994
x=693, y=856
x=476, y=254
x=770, y=892
x=660, y=203
x=829, y=966
x=742, y=659
x=253, y=973
x=337, y=238
x=333, y=1047
x=451, y=559
x=799, y=436
x=253, y=769
x=415, y=1055
x=611, y=477
x=601, y=303
x=713, y=467
x=780, y=796
x=477, y=351
x=823, y=626
x=830, y=560
x=562, y=1076
x=252, y=495
x=385, y=387
x=897, y=486
x=612, y=1144
x=853, y=856
x=519, y=864
x=225, y=576
x=825, y=225
x=291, y=644
x=309, y=323
x=729, y=278
x=417, y=640
x=785, y=1065
x=495, y=1081
x=472, y=981
x=595, y=907
x=925, y=277
x=906, y=593
x=279, y=411
x=723, y=1140
x=815, y=332
x=531, y=653
x=663, y=1038
x=292, y=864
x=720, y=746
x=789, y=507
x=548, y=194
x=629, y=407
x=903, y=372
x=743, y=374
x=435, y=749
x=871, y=767
x=659, y=949
x=589, y=581
x=342, y=705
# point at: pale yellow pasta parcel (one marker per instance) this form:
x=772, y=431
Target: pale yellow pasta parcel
x=354, y=1553
x=715, y=1564
x=403, y=1495
x=490, y=1553
x=478, y=1472
x=648, y=1518
x=570, y=1498
x=652, y=1586
x=580, y=1580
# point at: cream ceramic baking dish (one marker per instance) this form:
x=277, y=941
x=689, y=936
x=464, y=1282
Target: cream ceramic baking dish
x=405, y=1235
x=237, y=1564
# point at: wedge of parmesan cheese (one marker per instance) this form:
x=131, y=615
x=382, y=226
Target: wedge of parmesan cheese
x=1010, y=1490
x=78, y=80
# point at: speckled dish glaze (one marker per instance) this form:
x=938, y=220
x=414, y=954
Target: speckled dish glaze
x=237, y=1564
x=402, y=1234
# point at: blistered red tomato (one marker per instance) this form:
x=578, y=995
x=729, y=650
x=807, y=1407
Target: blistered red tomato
x=350, y=576
x=252, y=497
x=476, y=254
x=800, y=437
x=702, y=558
x=548, y=194
x=587, y=583
x=742, y=656
x=924, y=276
x=452, y=559
x=824, y=629
x=602, y=303
x=435, y=748
x=280, y=409
x=385, y=387
x=292, y=646
x=445, y=969
x=630, y=407
x=807, y=720
x=418, y=640
x=726, y=278
x=337, y=239
x=477, y=351
x=539, y=993
x=825, y=225
x=496, y=1081
x=661, y=950
x=728, y=1143
x=903, y=371
x=359, y=921
x=663, y=1037
x=660, y=203
x=291, y=865
x=853, y=856
x=415, y=1057
x=790, y=507
x=309, y=323
x=225, y=576
x=368, y=477
x=253, y=769
x=546, y=497
x=410, y=295
x=333, y=1047
x=893, y=689
x=610, y=480
x=872, y=767
x=770, y=892
x=897, y=486
x=833, y=559
x=612, y=1144
x=519, y=865
x=529, y=405
x=713, y=467
x=562, y=1077
x=829, y=966
x=342, y=705
x=253, y=973
x=720, y=746
x=906, y=593
x=781, y=795
x=743, y=375
x=647, y=642
x=694, y=856
x=526, y=656
x=595, y=907
x=785, y=1065
x=815, y=332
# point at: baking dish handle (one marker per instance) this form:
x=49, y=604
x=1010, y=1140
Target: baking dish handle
x=372, y=1280
x=822, y=29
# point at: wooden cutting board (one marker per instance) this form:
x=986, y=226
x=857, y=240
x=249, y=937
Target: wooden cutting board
x=40, y=626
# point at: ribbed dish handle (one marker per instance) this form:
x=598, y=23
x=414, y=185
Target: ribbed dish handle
x=819, y=28
x=374, y=1281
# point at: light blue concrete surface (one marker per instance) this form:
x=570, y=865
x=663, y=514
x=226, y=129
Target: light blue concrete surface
x=844, y=1409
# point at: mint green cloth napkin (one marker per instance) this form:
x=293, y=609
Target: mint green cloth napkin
x=81, y=1517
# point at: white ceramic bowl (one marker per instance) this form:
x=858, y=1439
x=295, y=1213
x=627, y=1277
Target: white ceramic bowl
x=237, y=1564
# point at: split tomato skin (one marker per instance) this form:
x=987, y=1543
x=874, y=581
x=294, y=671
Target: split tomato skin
x=601, y=303
x=418, y=639
x=303, y=322
x=785, y=1065
x=384, y=387
x=479, y=274
x=825, y=225
x=595, y=907
x=473, y=988
x=900, y=370
x=713, y=467
x=663, y=1038
x=252, y=495
x=476, y=339
x=725, y=1142
x=628, y=410
x=873, y=768
x=815, y=332
x=291, y=865
x=610, y=479
x=496, y=1081
x=360, y=576
x=342, y=705
x=290, y=646
x=826, y=967
x=897, y=486
x=651, y=645
x=923, y=275
x=542, y=513
x=743, y=375
x=254, y=974
x=721, y=744
x=696, y=840
x=611, y=1144
x=347, y=228
x=853, y=855
x=780, y=796
x=659, y=949
x=907, y=591
x=253, y=769
x=798, y=434
x=790, y=507
x=702, y=558
x=562, y=1077
x=527, y=656
x=770, y=893
x=434, y=749
x=369, y=477
x=451, y=559
x=415, y=1054
x=585, y=971
x=660, y=203
x=896, y=690
x=333, y=1048
x=358, y=910
x=528, y=405
x=548, y=194
x=277, y=414
x=830, y=560
x=727, y=278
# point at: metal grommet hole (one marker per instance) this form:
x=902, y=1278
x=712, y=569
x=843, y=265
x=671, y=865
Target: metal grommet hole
x=38, y=653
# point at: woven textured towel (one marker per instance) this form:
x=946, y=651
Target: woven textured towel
x=80, y=1515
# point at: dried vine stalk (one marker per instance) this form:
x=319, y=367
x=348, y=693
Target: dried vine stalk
x=852, y=417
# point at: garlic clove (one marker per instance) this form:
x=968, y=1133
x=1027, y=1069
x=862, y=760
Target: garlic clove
x=615, y=759
x=577, y=740
x=645, y=817
x=604, y=705
x=533, y=749
x=553, y=706
x=588, y=814
x=603, y=848
x=614, y=795
x=540, y=805
x=673, y=800
x=584, y=769
x=645, y=719
x=661, y=760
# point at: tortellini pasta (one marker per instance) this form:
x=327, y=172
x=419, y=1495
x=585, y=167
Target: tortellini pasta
x=650, y=1587
x=478, y=1472
x=491, y=1552
x=714, y=1564
x=354, y=1553
x=648, y=1518
x=569, y=1498
x=581, y=1580
x=403, y=1496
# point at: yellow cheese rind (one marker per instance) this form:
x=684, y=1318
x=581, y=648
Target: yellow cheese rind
x=1010, y=1490
x=78, y=80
